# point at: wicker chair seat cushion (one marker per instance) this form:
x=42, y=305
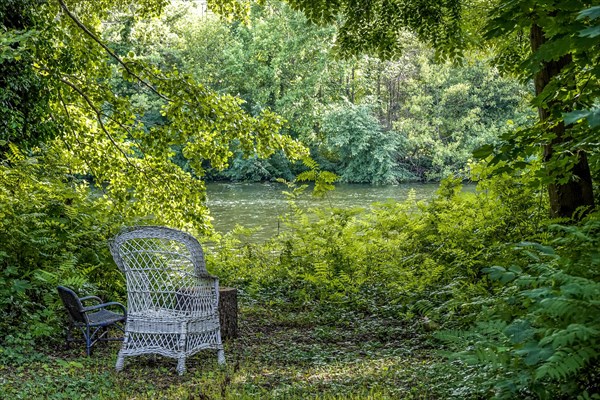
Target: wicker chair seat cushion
x=104, y=318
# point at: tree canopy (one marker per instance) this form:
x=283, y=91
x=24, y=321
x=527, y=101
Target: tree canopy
x=553, y=42
x=431, y=116
x=60, y=76
x=66, y=91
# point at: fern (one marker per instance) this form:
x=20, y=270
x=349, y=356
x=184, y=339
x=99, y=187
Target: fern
x=14, y=155
x=565, y=362
x=323, y=180
x=552, y=332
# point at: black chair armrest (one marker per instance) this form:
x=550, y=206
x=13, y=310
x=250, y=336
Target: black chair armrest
x=98, y=299
x=105, y=305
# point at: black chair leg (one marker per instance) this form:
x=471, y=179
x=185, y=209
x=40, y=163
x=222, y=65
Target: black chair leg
x=88, y=341
x=68, y=339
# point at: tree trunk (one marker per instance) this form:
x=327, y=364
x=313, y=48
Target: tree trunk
x=228, y=311
x=565, y=198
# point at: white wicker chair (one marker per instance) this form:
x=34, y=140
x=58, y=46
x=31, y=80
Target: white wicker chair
x=172, y=300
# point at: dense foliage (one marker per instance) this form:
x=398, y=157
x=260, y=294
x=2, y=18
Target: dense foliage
x=405, y=252
x=103, y=130
x=554, y=43
x=23, y=97
x=113, y=114
x=538, y=335
x=57, y=236
x=426, y=118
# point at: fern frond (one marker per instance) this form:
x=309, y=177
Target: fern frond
x=309, y=175
x=565, y=362
x=14, y=155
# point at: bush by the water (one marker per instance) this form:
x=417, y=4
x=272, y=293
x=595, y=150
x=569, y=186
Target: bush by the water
x=399, y=259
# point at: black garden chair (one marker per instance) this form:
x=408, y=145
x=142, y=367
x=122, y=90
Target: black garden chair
x=93, y=321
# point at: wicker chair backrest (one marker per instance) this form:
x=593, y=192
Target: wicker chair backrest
x=164, y=269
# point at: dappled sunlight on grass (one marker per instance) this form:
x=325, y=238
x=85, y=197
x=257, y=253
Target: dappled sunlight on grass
x=274, y=357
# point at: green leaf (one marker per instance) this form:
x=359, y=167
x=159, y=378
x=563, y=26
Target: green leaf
x=591, y=13
x=520, y=331
x=534, y=353
x=592, y=116
x=20, y=286
x=590, y=32
x=500, y=274
x=483, y=151
x=574, y=116
x=546, y=250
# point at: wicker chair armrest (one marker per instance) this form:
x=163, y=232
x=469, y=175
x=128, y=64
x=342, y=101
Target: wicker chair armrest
x=194, y=290
x=208, y=276
x=98, y=299
x=105, y=305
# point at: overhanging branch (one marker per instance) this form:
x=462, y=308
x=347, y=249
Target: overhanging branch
x=88, y=32
x=99, y=118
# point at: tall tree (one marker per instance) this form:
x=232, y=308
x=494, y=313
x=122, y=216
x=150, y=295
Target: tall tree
x=557, y=60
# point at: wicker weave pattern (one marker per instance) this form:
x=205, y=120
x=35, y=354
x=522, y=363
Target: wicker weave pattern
x=172, y=300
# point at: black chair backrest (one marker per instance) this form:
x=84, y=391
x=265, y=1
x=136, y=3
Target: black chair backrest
x=72, y=304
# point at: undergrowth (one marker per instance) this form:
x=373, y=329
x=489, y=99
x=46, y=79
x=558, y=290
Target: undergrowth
x=399, y=260
x=278, y=355
x=344, y=297
x=539, y=335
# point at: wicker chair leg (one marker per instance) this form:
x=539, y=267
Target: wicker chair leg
x=120, y=363
x=181, y=365
x=221, y=356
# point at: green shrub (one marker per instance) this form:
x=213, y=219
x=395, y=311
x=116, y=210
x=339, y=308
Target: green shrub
x=540, y=334
x=358, y=148
x=53, y=230
x=393, y=259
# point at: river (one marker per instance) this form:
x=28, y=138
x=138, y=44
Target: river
x=258, y=205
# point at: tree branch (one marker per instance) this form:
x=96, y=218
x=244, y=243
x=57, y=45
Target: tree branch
x=109, y=51
x=99, y=115
x=99, y=118
x=64, y=105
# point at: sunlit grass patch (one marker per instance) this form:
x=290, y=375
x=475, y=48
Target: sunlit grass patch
x=275, y=357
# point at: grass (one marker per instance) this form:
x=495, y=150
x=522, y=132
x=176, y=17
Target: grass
x=279, y=355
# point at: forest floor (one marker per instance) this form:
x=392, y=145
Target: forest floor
x=279, y=355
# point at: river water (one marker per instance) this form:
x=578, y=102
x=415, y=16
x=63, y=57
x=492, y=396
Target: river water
x=258, y=205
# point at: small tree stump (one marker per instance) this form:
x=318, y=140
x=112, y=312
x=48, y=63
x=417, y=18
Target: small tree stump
x=228, y=311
